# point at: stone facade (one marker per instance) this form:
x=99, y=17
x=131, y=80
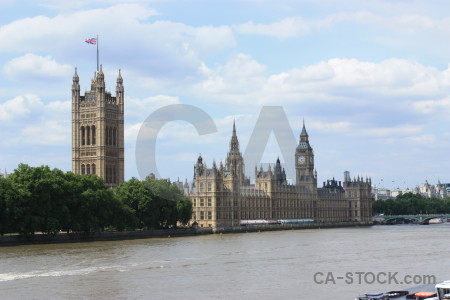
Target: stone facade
x=98, y=130
x=222, y=196
x=439, y=190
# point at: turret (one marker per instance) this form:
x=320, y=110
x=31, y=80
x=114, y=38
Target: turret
x=199, y=167
x=120, y=89
x=75, y=86
x=98, y=82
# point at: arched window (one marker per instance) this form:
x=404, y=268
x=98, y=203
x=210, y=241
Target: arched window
x=88, y=135
x=202, y=187
x=93, y=168
x=83, y=170
x=114, y=136
x=110, y=136
x=88, y=169
x=106, y=136
x=114, y=180
x=93, y=135
x=82, y=136
x=107, y=174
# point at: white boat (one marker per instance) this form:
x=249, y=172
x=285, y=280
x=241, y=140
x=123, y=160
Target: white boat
x=437, y=221
x=443, y=290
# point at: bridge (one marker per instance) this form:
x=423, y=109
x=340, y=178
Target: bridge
x=408, y=219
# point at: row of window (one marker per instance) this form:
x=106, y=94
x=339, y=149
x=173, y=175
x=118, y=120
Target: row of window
x=88, y=116
x=88, y=135
x=202, y=202
x=202, y=216
x=202, y=187
x=111, y=175
x=111, y=172
x=88, y=169
x=111, y=136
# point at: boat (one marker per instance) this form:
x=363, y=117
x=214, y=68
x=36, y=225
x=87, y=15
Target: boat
x=423, y=295
x=396, y=294
x=436, y=221
x=441, y=292
x=373, y=296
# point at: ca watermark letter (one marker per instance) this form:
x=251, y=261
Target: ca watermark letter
x=148, y=133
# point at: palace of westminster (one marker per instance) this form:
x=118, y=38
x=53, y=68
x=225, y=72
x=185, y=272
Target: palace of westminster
x=221, y=195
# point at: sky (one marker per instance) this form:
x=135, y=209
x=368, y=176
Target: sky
x=371, y=80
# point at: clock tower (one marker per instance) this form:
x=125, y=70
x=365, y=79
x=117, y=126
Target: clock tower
x=304, y=162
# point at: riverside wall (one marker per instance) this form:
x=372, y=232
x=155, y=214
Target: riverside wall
x=275, y=227
x=15, y=240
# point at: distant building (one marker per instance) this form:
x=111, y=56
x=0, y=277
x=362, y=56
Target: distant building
x=222, y=195
x=380, y=193
x=98, y=130
x=396, y=192
x=438, y=190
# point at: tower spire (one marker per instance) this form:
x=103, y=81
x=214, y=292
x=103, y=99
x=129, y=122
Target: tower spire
x=234, y=142
x=304, y=134
x=234, y=127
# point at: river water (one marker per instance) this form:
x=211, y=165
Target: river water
x=298, y=264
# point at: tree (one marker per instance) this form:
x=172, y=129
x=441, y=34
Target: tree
x=411, y=204
x=139, y=200
x=90, y=203
x=174, y=207
x=4, y=217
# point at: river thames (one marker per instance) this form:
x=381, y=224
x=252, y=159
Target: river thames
x=300, y=264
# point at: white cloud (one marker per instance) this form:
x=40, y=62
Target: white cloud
x=163, y=49
x=140, y=109
x=330, y=126
x=336, y=80
x=26, y=120
x=47, y=132
x=286, y=28
x=34, y=66
x=432, y=106
x=411, y=24
x=239, y=78
x=423, y=139
x=403, y=130
x=19, y=106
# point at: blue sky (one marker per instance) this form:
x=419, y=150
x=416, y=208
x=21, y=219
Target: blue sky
x=370, y=78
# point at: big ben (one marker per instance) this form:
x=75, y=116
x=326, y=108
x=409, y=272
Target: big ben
x=304, y=162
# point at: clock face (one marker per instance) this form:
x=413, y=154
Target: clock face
x=301, y=159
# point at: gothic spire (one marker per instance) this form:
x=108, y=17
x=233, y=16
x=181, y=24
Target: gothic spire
x=304, y=133
x=234, y=143
x=75, y=76
x=119, y=78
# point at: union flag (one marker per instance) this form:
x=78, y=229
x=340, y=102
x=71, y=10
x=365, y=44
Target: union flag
x=92, y=41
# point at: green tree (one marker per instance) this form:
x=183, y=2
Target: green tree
x=139, y=200
x=411, y=204
x=173, y=206
x=90, y=203
x=41, y=206
x=4, y=214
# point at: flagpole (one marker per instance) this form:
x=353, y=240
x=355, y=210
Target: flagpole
x=97, y=52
